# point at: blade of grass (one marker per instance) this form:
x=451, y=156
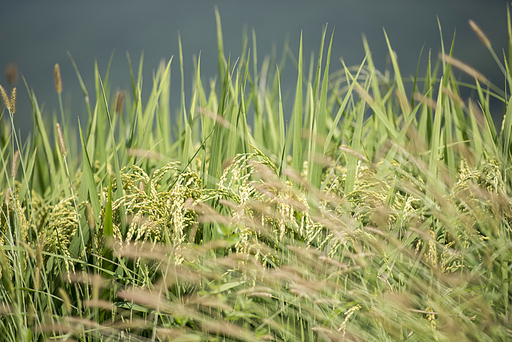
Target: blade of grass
x=88, y=185
x=98, y=131
x=297, y=160
x=435, y=140
x=44, y=137
x=214, y=169
x=352, y=161
x=448, y=140
x=396, y=69
x=82, y=85
x=371, y=66
x=321, y=119
x=117, y=169
x=220, y=45
x=108, y=231
x=506, y=137
x=28, y=175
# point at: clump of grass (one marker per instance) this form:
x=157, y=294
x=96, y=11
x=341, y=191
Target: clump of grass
x=374, y=215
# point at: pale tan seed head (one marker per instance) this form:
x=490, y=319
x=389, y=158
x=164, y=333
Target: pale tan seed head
x=57, y=78
x=464, y=67
x=7, y=197
x=62, y=145
x=11, y=74
x=119, y=101
x=364, y=94
x=480, y=34
x=98, y=303
x=426, y=100
x=37, y=278
x=92, y=279
x=6, y=309
x=13, y=100
x=5, y=98
x=14, y=163
x=214, y=116
x=454, y=97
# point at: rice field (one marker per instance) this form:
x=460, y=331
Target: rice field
x=378, y=208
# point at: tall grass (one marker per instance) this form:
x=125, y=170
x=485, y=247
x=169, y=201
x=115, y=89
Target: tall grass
x=376, y=214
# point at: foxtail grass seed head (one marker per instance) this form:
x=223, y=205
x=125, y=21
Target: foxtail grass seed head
x=480, y=34
x=62, y=145
x=464, y=67
x=11, y=74
x=39, y=256
x=57, y=78
x=119, y=101
x=5, y=98
x=14, y=163
x=14, y=92
x=37, y=279
x=7, y=197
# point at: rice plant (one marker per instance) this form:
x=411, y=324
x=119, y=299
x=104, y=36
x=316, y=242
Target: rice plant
x=377, y=213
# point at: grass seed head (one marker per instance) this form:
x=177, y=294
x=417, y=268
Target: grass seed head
x=119, y=102
x=426, y=100
x=97, y=303
x=5, y=98
x=454, y=97
x=464, y=67
x=480, y=34
x=62, y=145
x=13, y=100
x=14, y=163
x=11, y=74
x=146, y=298
x=7, y=196
x=57, y=78
x=37, y=279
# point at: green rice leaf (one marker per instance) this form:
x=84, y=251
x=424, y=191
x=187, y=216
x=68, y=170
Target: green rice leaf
x=297, y=160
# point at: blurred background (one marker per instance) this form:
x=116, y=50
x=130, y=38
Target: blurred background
x=34, y=35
